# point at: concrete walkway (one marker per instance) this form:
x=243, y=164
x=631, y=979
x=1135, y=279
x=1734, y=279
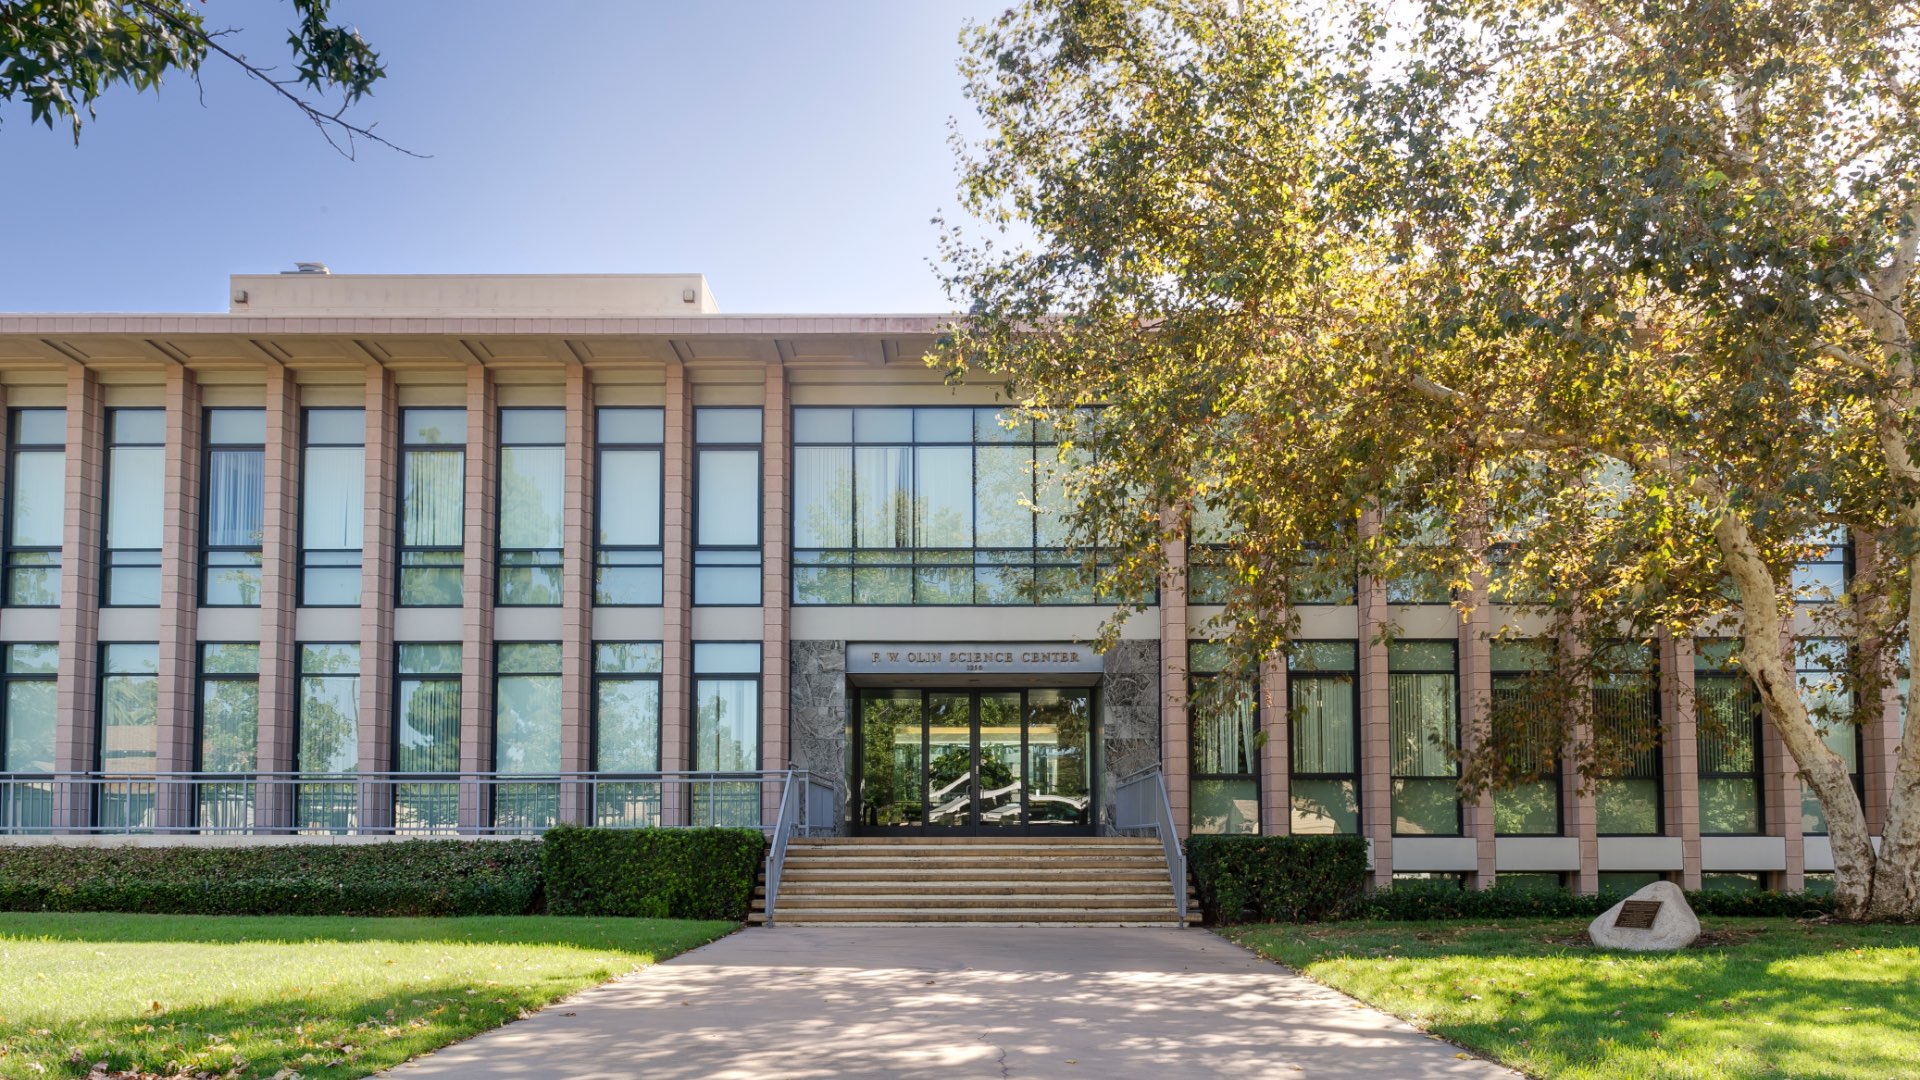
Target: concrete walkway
x=963, y=1001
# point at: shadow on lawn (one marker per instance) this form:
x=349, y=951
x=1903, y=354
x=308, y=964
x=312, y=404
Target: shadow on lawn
x=584, y=932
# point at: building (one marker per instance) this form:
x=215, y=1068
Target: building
x=467, y=554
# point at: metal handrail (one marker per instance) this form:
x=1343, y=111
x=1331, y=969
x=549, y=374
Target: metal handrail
x=783, y=826
x=1136, y=808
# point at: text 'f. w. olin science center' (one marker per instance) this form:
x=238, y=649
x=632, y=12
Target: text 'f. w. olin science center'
x=456, y=555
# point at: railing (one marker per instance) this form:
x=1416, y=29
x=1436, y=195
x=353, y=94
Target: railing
x=1140, y=805
x=806, y=807
x=404, y=804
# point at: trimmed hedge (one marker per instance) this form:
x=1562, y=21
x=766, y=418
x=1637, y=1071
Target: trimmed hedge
x=410, y=877
x=1278, y=878
x=652, y=873
x=1423, y=901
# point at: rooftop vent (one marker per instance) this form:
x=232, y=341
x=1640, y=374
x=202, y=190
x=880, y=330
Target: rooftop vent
x=308, y=268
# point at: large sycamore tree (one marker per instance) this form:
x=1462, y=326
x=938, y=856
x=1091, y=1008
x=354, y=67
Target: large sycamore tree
x=1596, y=309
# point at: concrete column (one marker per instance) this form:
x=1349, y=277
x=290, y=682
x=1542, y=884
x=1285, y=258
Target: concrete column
x=1175, y=757
x=1880, y=732
x=676, y=613
x=1581, y=821
x=576, y=599
x=476, y=637
x=775, y=591
x=1680, y=751
x=76, y=747
x=279, y=545
x=179, y=590
x=1276, y=757
x=378, y=595
x=1476, y=701
x=1376, y=758
x=1782, y=786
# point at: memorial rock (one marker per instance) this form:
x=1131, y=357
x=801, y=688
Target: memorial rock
x=1655, y=919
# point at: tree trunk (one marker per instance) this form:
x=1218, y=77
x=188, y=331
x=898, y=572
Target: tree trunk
x=1896, y=880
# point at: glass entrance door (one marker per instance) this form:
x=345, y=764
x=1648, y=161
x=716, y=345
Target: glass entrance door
x=975, y=760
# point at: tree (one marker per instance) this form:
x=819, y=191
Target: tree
x=59, y=56
x=1596, y=307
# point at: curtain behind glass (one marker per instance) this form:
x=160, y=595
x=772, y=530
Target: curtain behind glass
x=1224, y=733
x=236, y=497
x=136, y=484
x=727, y=725
x=1420, y=723
x=823, y=497
x=883, y=490
x=532, y=483
x=334, y=516
x=434, y=511
x=429, y=726
x=229, y=725
x=1323, y=733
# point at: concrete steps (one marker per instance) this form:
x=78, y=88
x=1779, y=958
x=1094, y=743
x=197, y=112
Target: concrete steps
x=1055, y=881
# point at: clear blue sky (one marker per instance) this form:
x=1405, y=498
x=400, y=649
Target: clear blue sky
x=792, y=152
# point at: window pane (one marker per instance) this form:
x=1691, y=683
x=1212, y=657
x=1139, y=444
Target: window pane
x=813, y=425
x=729, y=506
x=1326, y=806
x=883, y=493
x=32, y=708
x=229, y=724
x=33, y=659
x=333, y=518
x=1421, y=721
x=628, y=732
x=1003, y=488
x=429, y=736
x=1323, y=724
x=236, y=494
x=129, y=708
x=40, y=427
x=1729, y=806
x=329, y=708
x=530, y=658
x=883, y=425
x=726, y=657
x=532, y=486
x=625, y=425
x=38, y=498
x=527, y=716
x=440, y=427
x=1529, y=809
x=943, y=503
x=1323, y=656
x=230, y=659
x=726, y=425
x=1225, y=730
x=1627, y=807
x=627, y=657
x=943, y=425
x=1225, y=806
x=136, y=484
x=530, y=426
x=433, y=659
x=726, y=724
x=823, y=497
x=433, y=512
x=236, y=427
x=630, y=498
x=336, y=427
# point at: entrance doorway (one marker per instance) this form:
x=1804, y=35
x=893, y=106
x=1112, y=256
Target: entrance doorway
x=982, y=761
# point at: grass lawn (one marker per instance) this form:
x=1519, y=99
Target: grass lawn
x=326, y=997
x=1777, y=999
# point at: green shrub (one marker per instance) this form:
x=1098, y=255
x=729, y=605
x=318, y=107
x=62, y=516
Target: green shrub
x=1421, y=901
x=410, y=877
x=652, y=873
x=1277, y=878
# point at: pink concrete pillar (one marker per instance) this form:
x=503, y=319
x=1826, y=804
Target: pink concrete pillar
x=1376, y=759
x=1782, y=786
x=1578, y=794
x=676, y=614
x=1680, y=751
x=1175, y=758
x=76, y=748
x=576, y=599
x=378, y=594
x=1476, y=700
x=179, y=591
x=279, y=547
x=476, y=636
x=1276, y=757
x=775, y=591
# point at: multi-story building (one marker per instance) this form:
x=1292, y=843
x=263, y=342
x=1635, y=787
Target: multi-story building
x=467, y=554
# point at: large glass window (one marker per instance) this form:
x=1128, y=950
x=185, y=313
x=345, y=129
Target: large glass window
x=1727, y=726
x=1821, y=578
x=427, y=737
x=129, y=733
x=1628, y=795
x=333, y=506
x=36, y=506
x=1519, y=716
x=1225, y=726
x=433, y=506
x=329, y=736
x=1822, y=663
x=533, y=481
x=1423, y=723
x=29, y=709
x=726, y=729
x=1324, y=736
x=136, y=489
x=627, y=487
x=235, y=500
x=229, y=733
x=726, y=523
x=526, y=733
x=941, y=505
x=626, y=731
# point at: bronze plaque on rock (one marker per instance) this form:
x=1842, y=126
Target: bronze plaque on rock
x=1637, y=915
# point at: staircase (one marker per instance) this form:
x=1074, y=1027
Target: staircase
x=1022, y=880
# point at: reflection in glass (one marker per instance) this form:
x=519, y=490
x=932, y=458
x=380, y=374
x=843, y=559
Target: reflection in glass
x=433, y=501
x=890, y=733
x=1059, y=755
x=427, y=737
x=950, y=765
x=329, y=742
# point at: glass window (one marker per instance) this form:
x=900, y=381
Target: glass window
x=726, y=557
x=129, y=733
x=29, y=710
x=1626, y=723
x=36, y=506
x=726, y=728
x=136, y=489
x=1727, y=719
x=1324, y=736
x=235, y=507
x=329, y=736
x=333, y=506
x=1520, y=719
x=1822, y=663
x=1423, y=722
x=1821, y=577
x=229, y=733
x=427, y=736
x=533, y=476
x=626, y=732
x=1225, y=727
x=433, y=506
x=627, y=555
x=526, y=728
